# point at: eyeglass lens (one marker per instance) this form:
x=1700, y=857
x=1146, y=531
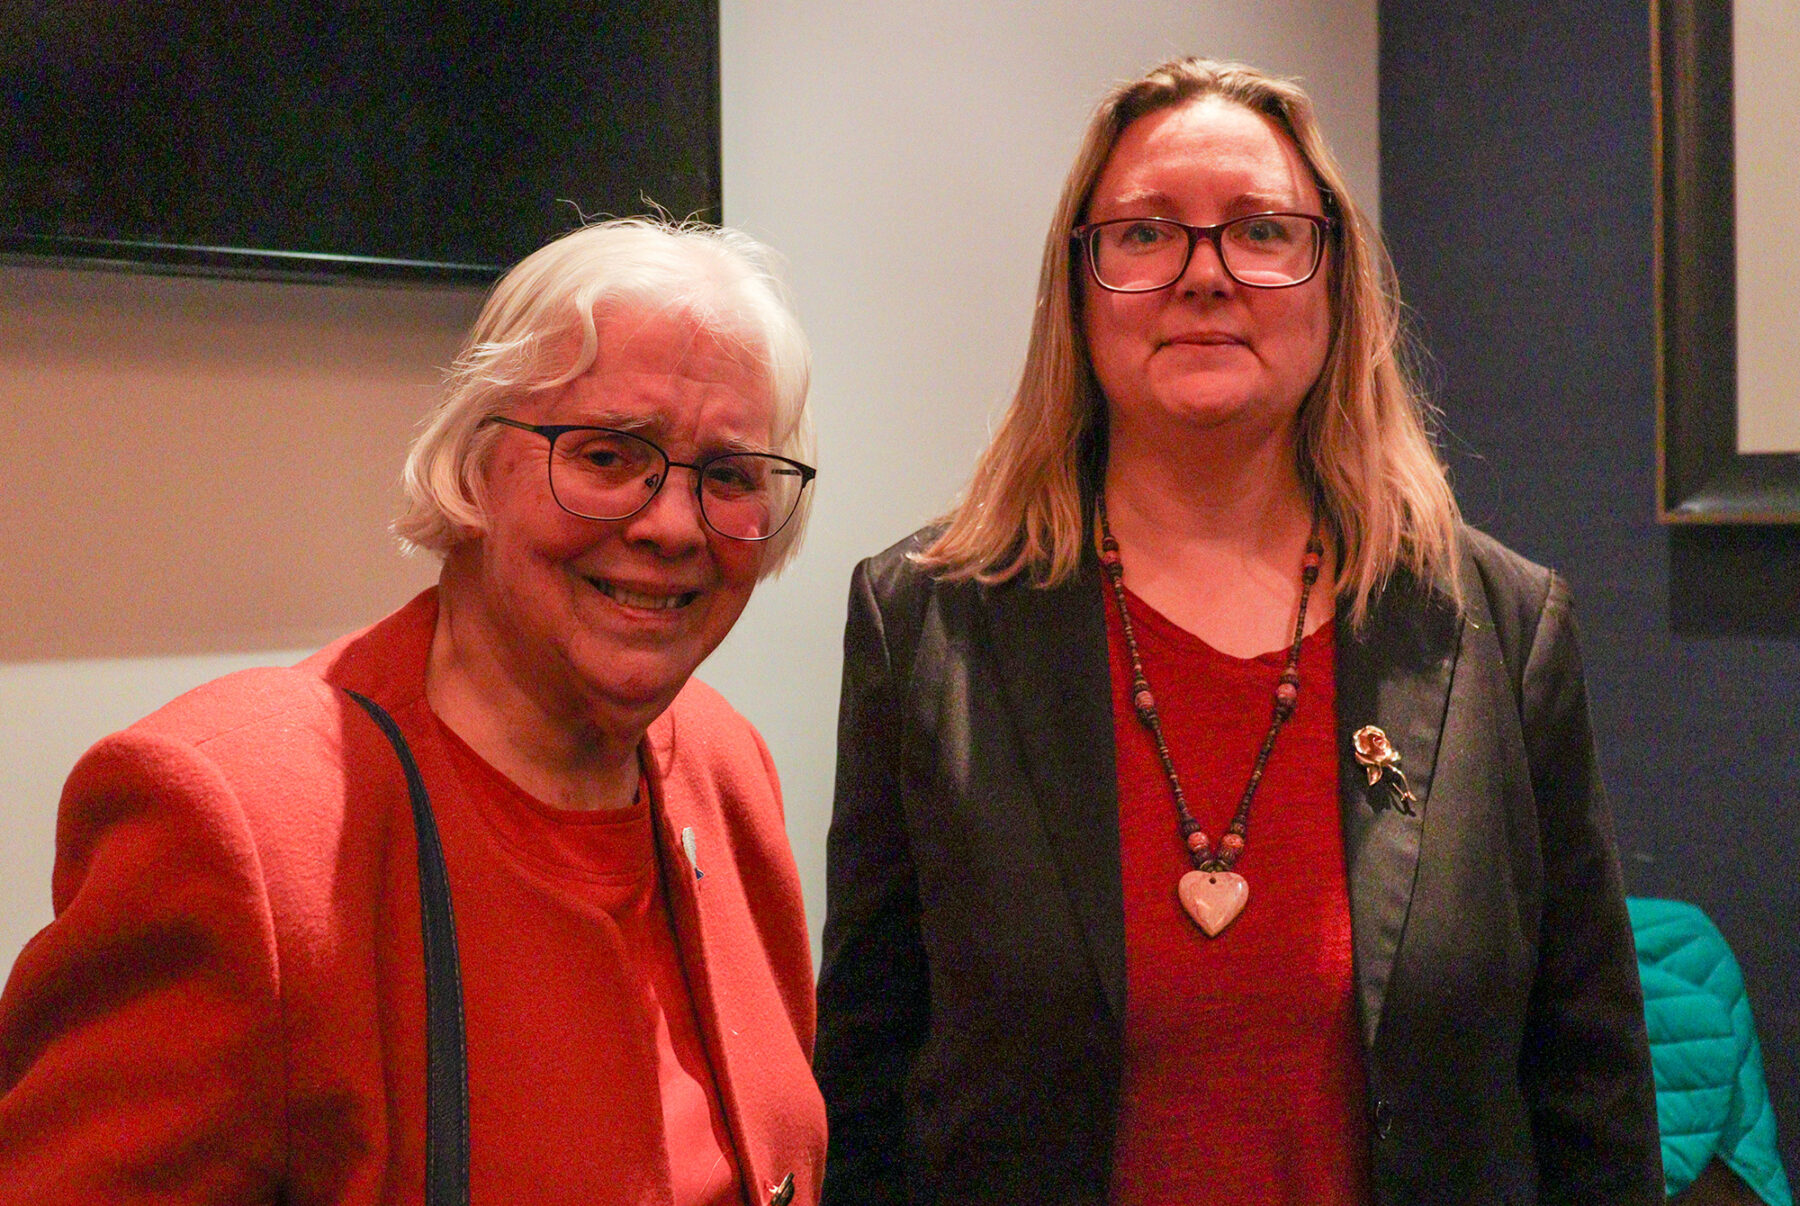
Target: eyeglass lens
x=1269, y=250
x=612, y=475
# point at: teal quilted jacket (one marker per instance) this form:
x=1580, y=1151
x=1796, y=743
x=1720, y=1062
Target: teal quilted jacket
x=1711, y=1099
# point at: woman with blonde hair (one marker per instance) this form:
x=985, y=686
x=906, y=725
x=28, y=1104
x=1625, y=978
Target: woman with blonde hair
x=1217, y=817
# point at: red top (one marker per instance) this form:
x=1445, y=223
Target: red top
x=611, y=856
x=1243, y=1077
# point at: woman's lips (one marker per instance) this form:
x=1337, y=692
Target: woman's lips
x=643, y=598
x=1205, y=339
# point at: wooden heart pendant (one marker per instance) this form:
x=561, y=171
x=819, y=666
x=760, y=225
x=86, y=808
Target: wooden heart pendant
x=1213, y=898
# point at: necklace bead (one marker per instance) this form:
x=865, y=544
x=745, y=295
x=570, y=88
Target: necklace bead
x=1143, y=702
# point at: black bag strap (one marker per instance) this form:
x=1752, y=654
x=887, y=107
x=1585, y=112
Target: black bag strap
x=446, y=1059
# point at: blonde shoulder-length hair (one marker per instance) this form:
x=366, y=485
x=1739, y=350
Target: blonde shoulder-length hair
x=1363, y=447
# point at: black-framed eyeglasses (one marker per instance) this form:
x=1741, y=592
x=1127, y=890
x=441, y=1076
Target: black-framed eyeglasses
x=1264, y=251
x=602, y=473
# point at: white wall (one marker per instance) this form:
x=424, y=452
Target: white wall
x=905, y=157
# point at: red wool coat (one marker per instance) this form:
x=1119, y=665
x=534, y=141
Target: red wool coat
x=229, y=1006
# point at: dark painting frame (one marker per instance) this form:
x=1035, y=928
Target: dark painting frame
x=1701, y=476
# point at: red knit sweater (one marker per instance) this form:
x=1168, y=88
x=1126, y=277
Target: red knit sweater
x=1243, y=1067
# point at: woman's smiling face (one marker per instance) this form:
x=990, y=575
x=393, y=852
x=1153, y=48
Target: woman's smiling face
x=608, y=619
x=1207, y=351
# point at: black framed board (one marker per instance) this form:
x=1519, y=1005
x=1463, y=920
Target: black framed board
x=402, y=141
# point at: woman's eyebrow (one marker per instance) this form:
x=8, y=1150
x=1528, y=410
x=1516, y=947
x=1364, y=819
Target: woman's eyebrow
x=652, y=426
x=736, y=444
x=726, y=444
x=1150, y=197
x=1252, y=202
x=617, y=420
x=1260, y=202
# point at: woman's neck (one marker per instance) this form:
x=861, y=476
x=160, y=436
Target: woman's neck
x=557, y=756
x=1212, y=536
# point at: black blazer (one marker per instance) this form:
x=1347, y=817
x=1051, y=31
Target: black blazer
x=971, y=999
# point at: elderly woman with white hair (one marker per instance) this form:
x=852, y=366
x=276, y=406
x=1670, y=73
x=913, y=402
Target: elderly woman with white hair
x=256, y=988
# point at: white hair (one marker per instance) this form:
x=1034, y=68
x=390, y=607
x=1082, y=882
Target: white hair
x=558, y=296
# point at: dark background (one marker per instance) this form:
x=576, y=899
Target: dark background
x=1517, y=182
x=433, y=132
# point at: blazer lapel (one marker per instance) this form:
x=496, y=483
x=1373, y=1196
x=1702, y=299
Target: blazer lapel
x=1050, y=650
x=1394, y=674
x=683, y=857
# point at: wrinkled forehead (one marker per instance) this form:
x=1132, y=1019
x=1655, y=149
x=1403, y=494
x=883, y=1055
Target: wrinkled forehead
x=632, y=346
x=670, y=372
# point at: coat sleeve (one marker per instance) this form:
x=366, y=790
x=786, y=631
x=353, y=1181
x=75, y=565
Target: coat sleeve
x=1586, y=1059
x=873, y=1002
x=140, y=1051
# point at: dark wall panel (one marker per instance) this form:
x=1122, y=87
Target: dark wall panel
x=1516, y=194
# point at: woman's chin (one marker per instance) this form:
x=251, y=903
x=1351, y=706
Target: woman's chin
x=1202, y=411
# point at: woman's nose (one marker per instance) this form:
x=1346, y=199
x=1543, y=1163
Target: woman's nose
x=671, y=519
x=1205, y=271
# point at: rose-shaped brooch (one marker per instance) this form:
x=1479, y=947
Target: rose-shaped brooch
x=1377, y=755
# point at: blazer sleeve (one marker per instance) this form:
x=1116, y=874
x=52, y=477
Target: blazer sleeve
x=140, y=1049
x=873, y=1002
x=1586, y=1059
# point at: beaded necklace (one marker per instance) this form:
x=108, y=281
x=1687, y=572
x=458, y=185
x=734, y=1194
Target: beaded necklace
x=1212, y=893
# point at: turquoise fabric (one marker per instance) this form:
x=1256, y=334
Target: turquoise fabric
x=1711, y=1099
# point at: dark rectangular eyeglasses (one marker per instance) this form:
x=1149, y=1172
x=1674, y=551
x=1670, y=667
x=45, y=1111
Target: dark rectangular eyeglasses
x=603, y=473
x=1264, y=251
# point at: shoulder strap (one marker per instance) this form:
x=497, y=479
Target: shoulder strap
x=446, y=1060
